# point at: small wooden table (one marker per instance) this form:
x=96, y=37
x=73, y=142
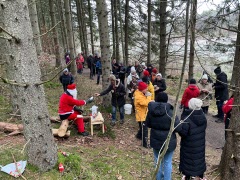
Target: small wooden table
x=94, y=122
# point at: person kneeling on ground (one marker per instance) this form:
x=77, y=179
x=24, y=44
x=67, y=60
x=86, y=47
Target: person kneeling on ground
x=118, y=100
x=68, y=108
x=159, y=119
x=141, y=99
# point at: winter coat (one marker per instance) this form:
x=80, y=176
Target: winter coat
x=139, y=70
x=115, y=68
x=227, y=108
x=67, y=103
x=118, y=94
x=192, y=146
x=129, y=80
x=141, y=105
x=66, y=79
x=190, y=92
x=161, y=84
x=159, y=120
x=221, y=90
x=99, y=64
x=122, y=71
x=151, y=90
x=204, y=96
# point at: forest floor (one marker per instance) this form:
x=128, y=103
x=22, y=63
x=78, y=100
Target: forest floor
x=117, y=154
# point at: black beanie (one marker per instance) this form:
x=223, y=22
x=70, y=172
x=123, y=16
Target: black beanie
x=217, y=70
x=145, y=79
x=162, y=97
x=192, y=81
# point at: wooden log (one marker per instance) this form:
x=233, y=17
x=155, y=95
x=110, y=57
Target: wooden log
x=63, y=128
x=55, y=133
x=9, y=127
x=58, y=120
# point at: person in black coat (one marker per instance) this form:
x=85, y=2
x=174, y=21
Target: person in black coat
x=221, y=92
x=66, y=78
x=91, y=66
x=118, y=98
x=159, y=120
x=159, y=84
x=121, y=73
x=192, y=146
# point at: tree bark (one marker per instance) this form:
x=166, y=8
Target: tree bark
x=55, y=34
x=90, y=24
x=72, y=66
x=126, y=30
x=102, y=14
x=63, y=25
x=162, y=45
x=230, y=160
x=80, y=26
x=85, y=34
x=149, y=32
x=113, y=30
x=35, y=26
x=41, y=149
x=121, y=29
x=116, y=30
x=192, y=38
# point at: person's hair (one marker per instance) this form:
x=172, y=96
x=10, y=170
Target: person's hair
x=162, y=97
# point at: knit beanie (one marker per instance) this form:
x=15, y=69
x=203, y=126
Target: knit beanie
x=142, y=86
x=205, y=76
x=217, y=70
x=154, y=70
x=133, y=70
x=146, y=73
x=71, y=88
x=65, y=70
x=195, y=104
x=162, y=97
x=192, y=81
x=159, y=74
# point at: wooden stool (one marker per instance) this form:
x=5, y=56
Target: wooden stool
x=94, y=122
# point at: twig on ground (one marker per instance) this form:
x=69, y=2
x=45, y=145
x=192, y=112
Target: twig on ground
x=25, y=146
x=17, y=167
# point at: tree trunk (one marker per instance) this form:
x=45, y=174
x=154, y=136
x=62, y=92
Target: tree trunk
x=41, y=149
x=113, y=30
x=230, y=161
x=55, y=34
x=116, y=30
x=163, y=47
x=102, y=14
x=85, y=34
x=80, y=26
x=149, y=33
x=63, y=26
x=192, y=38
x=35, y=27
x=126, y=30
x=121, y=29
x=90, y=24
x=72, y=66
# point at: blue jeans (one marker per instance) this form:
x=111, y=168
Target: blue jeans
x=165, y=169
x=121, y=110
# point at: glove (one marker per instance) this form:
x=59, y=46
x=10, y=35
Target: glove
x=78, y=109
x=148, y=94
x=181, y=106
x=89, y=100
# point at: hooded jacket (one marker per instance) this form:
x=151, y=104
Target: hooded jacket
x=192, y=150
x=190, y=92
x=141, y=105
x=159, y=120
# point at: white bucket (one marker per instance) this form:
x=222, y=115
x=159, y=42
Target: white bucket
x=128, y=108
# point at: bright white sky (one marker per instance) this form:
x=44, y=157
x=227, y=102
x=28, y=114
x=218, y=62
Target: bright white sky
x=205, y=6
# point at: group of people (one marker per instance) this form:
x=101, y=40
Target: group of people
x=146, y=89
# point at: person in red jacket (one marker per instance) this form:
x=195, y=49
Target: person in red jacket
x=227, y=108
x=190, y=92
x=68, y=108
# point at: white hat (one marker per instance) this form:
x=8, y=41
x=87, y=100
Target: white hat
x=159, y=74
x=205, y=76
x=195, y=104
x=133, y=70
x=143, y=64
